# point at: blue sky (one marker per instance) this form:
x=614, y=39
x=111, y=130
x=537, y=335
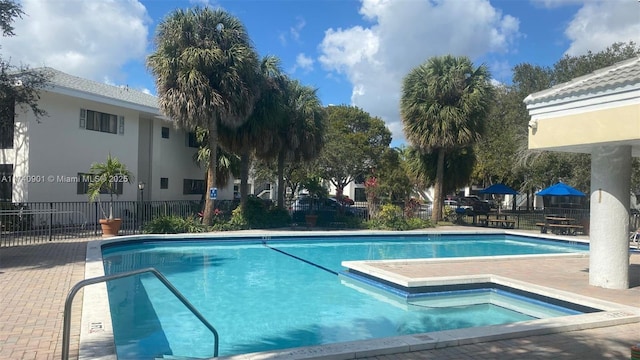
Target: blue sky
x=354, y=52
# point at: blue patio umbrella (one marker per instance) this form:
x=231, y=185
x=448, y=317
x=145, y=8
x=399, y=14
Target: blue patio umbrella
x=560, y=189
x=499, y=189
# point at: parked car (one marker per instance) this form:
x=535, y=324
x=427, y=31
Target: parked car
x=344, y=200
x=308, y=204
x=465, y=206
x=474, y=205
x=452, y=203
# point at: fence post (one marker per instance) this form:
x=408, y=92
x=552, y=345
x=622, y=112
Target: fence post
x=95, y=220
x=50, y=220
x=138, y=218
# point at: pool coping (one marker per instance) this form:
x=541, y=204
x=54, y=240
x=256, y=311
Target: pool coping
x=96, y=337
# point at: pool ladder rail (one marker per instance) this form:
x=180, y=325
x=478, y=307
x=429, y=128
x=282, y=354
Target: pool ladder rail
x=66, y=330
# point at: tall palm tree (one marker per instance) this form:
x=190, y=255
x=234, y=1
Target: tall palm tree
x=458, y=166
x=205, y=69
x=444, y=104
x=302, y=133
x=228, y=164
x=256, y=137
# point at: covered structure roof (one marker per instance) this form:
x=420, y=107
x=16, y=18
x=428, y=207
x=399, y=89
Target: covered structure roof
x=599, y=109
x=622, y=76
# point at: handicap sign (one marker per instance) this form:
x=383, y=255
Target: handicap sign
x=213, y=193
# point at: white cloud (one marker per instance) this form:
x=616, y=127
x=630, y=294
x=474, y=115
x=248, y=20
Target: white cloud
x=598, y=24
x=295, y=30
x=304, y=62
x=403, y=34
x=91, y=39
x=203, y=3
x=283, y=38
x=293, y=33
x=550, y=4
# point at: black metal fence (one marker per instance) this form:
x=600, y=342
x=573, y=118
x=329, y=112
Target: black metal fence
x=527, y=220
x=36, y=222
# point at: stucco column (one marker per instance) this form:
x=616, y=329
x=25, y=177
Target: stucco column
x=609, y=220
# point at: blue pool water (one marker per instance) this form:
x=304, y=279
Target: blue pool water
x=282, y=293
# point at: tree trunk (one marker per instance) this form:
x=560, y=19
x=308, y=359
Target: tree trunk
x=203, y=198
x=281, y=185
x=211, y=171
x=245, y=160
x=438, y=200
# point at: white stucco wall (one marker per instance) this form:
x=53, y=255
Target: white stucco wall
x=48, y=155
x=145, y=152
x=172, y=159
x=58, y=148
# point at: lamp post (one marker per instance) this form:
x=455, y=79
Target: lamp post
x=141, y=188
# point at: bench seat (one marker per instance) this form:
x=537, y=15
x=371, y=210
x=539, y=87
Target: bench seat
x=505, y=223
x=569, y=229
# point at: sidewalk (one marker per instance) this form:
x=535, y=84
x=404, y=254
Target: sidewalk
x=35, y=280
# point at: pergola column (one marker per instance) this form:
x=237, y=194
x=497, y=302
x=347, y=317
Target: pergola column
x=609, y=218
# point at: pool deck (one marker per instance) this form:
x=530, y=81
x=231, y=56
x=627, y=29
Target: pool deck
x=35, y=279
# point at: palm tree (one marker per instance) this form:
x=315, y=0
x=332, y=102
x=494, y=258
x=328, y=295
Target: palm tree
x=205, y=69
x=108, y=177
x=302, y=134
x=228, y=164
x=256, y=137
x=444, y=105
x=458, y=166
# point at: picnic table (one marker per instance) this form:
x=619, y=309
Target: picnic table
x=498, y=220
x=560, y=225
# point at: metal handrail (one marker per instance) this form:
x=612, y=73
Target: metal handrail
x=66, y=330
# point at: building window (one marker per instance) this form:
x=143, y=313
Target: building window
x=164, y=183
x=84, y=179
x=7, y=123
x=6, y=182
x=102, y=122
x=359, y=195
x=165, y=132
x=193, y=187
x=191, y=140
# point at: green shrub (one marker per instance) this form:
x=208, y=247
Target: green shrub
x=260, y=214
x=237, y=222
x=449, y=214
x=391, y=217
x=278, y=218
x=174, y=225
x=417, y=223
x=350, y=222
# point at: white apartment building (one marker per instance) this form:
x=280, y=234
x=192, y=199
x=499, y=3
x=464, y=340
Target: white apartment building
x=43, y=161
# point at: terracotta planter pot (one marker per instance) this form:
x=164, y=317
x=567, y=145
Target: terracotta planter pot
x=110, y=227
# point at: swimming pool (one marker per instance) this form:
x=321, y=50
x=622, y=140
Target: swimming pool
x=273, y=293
